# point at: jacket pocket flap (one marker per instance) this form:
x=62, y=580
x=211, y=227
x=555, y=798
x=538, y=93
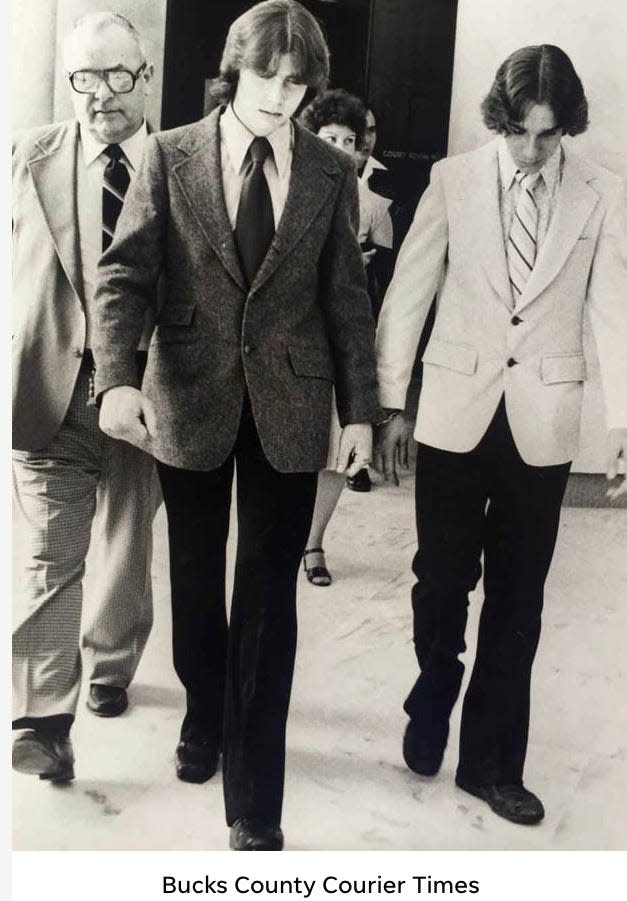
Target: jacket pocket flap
x=458, y=357
x=563, y=368
x=176, y=314
x=311, y=360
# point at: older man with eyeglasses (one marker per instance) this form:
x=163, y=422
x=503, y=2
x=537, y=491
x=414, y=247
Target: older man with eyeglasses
x=69, y=185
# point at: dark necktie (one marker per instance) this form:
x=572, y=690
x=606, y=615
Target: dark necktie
x=254, y=227
x=116, y=181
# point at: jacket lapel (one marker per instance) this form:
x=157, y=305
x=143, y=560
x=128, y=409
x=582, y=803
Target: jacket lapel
x=311, y=180
x=485, y=221
x=575, y=202
x=54, y=177
x=200, y=178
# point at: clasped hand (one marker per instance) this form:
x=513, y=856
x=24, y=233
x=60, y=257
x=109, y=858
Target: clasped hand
x=128, y=415
x=355, y=448
x=392, y=448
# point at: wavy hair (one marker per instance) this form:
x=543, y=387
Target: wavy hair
x=536, y=74
x=261, y=36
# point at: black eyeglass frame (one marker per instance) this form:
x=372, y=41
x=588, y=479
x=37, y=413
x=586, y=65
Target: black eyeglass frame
x=104, y=76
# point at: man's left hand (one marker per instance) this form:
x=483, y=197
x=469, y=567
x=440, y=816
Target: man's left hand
x=356, y=447
x=616, y=461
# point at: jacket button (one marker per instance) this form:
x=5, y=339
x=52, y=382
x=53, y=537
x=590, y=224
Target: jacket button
x=248, y=350
x=512, y=362
x=516, y=320
x=77, y=352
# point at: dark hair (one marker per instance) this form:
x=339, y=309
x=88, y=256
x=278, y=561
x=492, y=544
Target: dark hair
x=260, y=36
x=336, y=107
x=537, y=74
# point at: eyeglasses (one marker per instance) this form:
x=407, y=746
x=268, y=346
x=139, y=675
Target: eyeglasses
x=120, y=81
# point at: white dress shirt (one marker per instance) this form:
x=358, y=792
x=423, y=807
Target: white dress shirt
x=545, y=193
x=371, y=166
x=235, y=140
x=374, y=219
x=90, y=168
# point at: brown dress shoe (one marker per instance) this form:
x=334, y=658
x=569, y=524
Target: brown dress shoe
x=512, y=802
x=251, y=835
x=106, y=700
x=47, y=756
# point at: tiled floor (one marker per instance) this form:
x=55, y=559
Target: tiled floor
x=347, y=787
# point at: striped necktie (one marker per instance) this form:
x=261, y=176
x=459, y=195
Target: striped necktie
x=116, y=181
x=522, y=244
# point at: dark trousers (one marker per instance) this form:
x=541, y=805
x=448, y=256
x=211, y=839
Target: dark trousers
x=238, y=677
x=486, y=501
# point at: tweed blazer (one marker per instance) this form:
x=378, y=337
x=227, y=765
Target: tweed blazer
x=303, y=324
x=49, y=324
x=480, y=347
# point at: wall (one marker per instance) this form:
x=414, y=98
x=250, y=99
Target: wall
x=593, y=35
x=41, y=93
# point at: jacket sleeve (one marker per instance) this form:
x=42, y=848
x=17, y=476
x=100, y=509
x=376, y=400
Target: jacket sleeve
x=417, y=274
x=128, y=272
x=348, y=313
x=607, y=299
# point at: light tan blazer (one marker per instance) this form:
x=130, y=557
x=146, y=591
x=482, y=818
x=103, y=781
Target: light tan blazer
x=455, y=247
x=48, y=310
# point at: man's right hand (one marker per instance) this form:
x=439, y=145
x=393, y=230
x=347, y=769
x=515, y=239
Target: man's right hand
x=126, y=414
x=392, y=447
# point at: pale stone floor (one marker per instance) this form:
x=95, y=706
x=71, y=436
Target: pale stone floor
x=347, y=787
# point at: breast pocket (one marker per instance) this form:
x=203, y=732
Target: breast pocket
x=175, y=324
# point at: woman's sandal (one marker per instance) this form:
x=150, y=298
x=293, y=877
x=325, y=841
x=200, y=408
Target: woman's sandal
x=317, y=575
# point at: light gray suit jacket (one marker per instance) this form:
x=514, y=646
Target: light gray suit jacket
x=455, y=247
x=49, y=324
x=304, y=323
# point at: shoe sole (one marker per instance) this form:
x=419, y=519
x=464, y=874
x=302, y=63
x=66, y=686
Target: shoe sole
x=233, y=847
x=520, y=820
x=33, y=760
x=99, y=711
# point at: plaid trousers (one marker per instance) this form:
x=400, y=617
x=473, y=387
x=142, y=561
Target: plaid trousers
x=82, y=479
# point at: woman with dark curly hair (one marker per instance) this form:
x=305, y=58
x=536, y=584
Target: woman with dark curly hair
x=340, y=119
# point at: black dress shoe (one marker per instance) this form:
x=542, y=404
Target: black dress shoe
x=196, y=761
x=360, y=481
x=512, y=802
x=106, y=700
x=251, y=835
x=47, y=756
x=423, y=752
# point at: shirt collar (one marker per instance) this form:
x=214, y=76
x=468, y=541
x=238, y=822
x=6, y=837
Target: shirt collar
x=550, y=172
x=237, y=139
x=132, y=147
x=371, y=165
